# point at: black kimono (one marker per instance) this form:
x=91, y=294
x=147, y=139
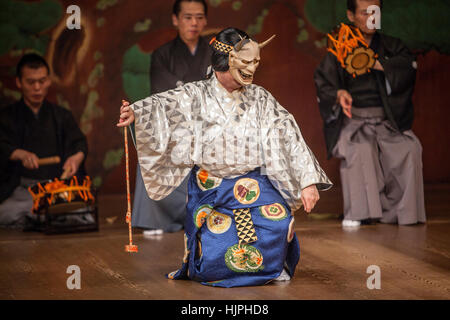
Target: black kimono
x=380, y=155
x=172, y=65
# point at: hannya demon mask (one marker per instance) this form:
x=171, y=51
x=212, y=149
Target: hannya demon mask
x=244, y=59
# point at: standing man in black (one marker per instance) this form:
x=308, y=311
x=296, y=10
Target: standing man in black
x=184, y=59
x=30, y=129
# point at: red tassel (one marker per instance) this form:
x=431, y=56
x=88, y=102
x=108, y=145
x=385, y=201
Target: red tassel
x=130, y=247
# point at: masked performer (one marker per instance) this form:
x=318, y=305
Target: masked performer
x=368, y=120
x=249, y=167
x=184, y=59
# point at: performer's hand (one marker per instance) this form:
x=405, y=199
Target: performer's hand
x=126, y=115
x=345, y=100
x=72, y=164
x=309, y=197
x=29, y=159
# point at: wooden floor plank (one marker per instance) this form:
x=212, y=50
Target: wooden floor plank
x=414, y=260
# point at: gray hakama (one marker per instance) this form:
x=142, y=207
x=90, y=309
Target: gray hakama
x=16, y=208
x=381, y=170
x=167, y=214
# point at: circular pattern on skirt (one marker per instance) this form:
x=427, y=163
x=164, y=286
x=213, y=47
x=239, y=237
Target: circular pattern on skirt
x=201, y=214
x=207, y=182
x=246, y=190
x=244, y=259
x=291, y=231
x=274, y=211
x=218, y=222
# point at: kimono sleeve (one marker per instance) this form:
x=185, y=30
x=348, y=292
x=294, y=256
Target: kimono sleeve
x=164, y=138
x=329, y=78
x=399, y=68
x=302, y=162
x=290, y=164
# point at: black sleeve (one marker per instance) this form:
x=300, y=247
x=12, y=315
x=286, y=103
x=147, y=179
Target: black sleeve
x=9, y=141
x=328, y=81
x=8, y=136
x=399, y=68
x=161, y=78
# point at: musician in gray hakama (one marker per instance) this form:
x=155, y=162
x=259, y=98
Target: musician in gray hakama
x=367, y=124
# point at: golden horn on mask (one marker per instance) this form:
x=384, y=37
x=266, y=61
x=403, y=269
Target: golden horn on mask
x=239, y=45
x=262, y=45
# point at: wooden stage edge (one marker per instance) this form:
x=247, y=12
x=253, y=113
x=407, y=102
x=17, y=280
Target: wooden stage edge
x=414, y=261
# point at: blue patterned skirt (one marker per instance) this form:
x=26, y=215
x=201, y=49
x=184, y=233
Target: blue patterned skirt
x=238, y=232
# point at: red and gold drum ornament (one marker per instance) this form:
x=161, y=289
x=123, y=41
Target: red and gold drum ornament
x=351, y=50
x=61, y=195
x=360, y=61
x=246, y=190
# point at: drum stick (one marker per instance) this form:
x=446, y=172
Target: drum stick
x=49, y=160
x=65, y=174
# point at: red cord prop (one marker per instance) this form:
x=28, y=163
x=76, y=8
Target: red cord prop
x=129, y=247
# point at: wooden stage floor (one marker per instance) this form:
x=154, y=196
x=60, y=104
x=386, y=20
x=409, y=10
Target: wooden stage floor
x=414, y=260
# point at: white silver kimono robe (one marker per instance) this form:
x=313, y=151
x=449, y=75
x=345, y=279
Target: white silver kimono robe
x=248, y=164
x=228, y=135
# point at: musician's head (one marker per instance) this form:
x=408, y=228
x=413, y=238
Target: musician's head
x=234, y=51
x=358, y=15
x=189, y=17
x=33, y=79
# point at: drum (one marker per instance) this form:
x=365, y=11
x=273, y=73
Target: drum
x=351, y=50
x=61, y=196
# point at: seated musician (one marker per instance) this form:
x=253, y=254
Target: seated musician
x=32, y=129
